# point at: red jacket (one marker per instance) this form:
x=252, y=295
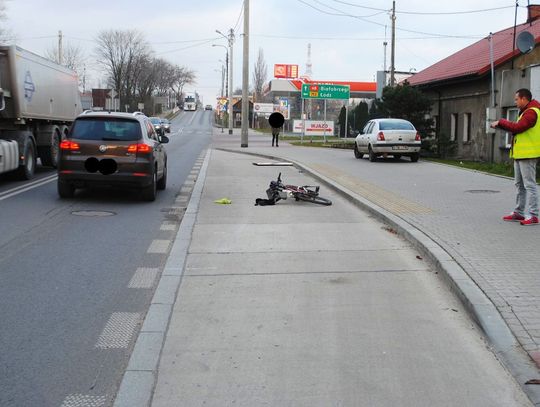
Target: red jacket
x=527, y=121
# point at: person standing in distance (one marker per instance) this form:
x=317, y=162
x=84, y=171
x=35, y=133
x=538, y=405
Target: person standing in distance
x=276, y=121
x=525, y=151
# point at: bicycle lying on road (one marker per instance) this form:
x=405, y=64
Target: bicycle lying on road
x=278, y=190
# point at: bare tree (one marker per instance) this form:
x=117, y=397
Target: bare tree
x=73, y=56
x=260, y=73
x=5, y=34
x=182, y=76
x=123, y=54
x=165, y=77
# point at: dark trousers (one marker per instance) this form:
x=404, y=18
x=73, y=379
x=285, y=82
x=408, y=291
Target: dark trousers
x=275, y=138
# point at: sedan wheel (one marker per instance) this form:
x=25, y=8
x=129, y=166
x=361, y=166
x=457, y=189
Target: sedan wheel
x=372, y=155
x=415, y=157
x=357, y=153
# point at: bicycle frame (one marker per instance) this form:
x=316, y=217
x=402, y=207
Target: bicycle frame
x=278, y=190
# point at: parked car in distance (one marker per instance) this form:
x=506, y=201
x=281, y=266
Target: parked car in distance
x=156, y=122
x=166, y=125
x=208, y=107
x=384, y=137
x=112, y=149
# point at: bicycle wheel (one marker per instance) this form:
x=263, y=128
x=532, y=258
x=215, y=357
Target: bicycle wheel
x=313, y=199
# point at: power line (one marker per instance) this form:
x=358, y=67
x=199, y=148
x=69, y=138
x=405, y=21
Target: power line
x=371, y=15
x=344, y=14
x=427, y=12
x=239, y=17
x=190, y=46
x=285, y=37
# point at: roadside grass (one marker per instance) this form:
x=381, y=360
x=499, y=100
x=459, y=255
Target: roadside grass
x=505, y=169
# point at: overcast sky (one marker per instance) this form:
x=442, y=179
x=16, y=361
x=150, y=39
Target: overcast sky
x=344, y=47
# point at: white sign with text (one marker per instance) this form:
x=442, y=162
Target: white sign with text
x=315, y=127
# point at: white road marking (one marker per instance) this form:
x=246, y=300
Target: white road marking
x=159, y=246
x=26, y=187
x=84, y=400
x=119, y=330
x=144, y=277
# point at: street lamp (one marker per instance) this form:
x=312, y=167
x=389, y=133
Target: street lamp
x=226, y=68
x=230, y=40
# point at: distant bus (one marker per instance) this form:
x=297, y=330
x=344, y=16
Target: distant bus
x=190, y=103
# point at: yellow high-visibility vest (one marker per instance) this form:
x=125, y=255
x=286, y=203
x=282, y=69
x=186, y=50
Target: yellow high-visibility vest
x=527, y=144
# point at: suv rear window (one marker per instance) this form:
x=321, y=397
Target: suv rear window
x=109, y=128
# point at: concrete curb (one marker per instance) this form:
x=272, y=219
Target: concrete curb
x=502, y=341
x=140, y=377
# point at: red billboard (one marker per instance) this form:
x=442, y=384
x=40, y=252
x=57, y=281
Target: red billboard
x=285, y=71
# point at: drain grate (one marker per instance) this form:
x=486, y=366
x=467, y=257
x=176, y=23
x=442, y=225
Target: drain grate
x=482, y=191
x=93, y=213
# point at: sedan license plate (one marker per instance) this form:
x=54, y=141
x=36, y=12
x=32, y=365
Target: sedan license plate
x=400, y=148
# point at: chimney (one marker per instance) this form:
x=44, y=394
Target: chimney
x=533, y=12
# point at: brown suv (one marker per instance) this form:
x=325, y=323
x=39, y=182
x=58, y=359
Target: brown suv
x=115, y=149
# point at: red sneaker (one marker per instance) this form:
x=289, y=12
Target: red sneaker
x=513, y=217
x=533, y=220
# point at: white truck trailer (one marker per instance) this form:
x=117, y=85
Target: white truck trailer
x=39, y=100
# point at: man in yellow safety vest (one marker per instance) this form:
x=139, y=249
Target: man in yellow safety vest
x=525, y=151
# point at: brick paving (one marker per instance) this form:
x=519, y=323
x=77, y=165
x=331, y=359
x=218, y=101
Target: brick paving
x=460, y=209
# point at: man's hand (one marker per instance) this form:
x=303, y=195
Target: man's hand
x=494, y=124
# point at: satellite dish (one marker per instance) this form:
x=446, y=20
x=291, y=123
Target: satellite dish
x=525, y=42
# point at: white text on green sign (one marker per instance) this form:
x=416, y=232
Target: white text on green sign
x=320, y=91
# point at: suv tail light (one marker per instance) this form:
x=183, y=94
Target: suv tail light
x=417, y=138
x=380, y=136
x=69, y=145
x=139, y=148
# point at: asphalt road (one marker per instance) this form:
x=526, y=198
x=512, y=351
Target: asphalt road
x=75, y=289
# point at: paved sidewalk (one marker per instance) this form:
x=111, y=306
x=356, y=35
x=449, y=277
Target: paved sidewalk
x=304, y=305
x=458, y=209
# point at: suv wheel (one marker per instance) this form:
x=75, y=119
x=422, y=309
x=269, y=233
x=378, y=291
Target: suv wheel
x=149, y=193
x=162, y=183
x=65, y=189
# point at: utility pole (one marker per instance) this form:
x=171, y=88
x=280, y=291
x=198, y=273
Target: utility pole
x=222, y=80
x=245, y=79
x=231, y=118
x=60, y=50
x=393, y=51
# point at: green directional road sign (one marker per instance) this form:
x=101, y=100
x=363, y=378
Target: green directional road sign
x=322, y=91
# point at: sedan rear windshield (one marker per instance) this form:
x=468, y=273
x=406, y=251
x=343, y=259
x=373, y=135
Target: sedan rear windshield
x=94, y=128
x=395, y=125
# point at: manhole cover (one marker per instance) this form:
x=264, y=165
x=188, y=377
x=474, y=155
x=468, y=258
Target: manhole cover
x=93, y=213
x=482, y=191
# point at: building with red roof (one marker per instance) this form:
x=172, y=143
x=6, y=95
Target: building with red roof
x=461, y=89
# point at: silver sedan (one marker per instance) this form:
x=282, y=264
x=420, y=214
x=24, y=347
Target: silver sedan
x=384, y=137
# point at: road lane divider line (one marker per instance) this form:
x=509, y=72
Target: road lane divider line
x=23, y=188
x=193, y=117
